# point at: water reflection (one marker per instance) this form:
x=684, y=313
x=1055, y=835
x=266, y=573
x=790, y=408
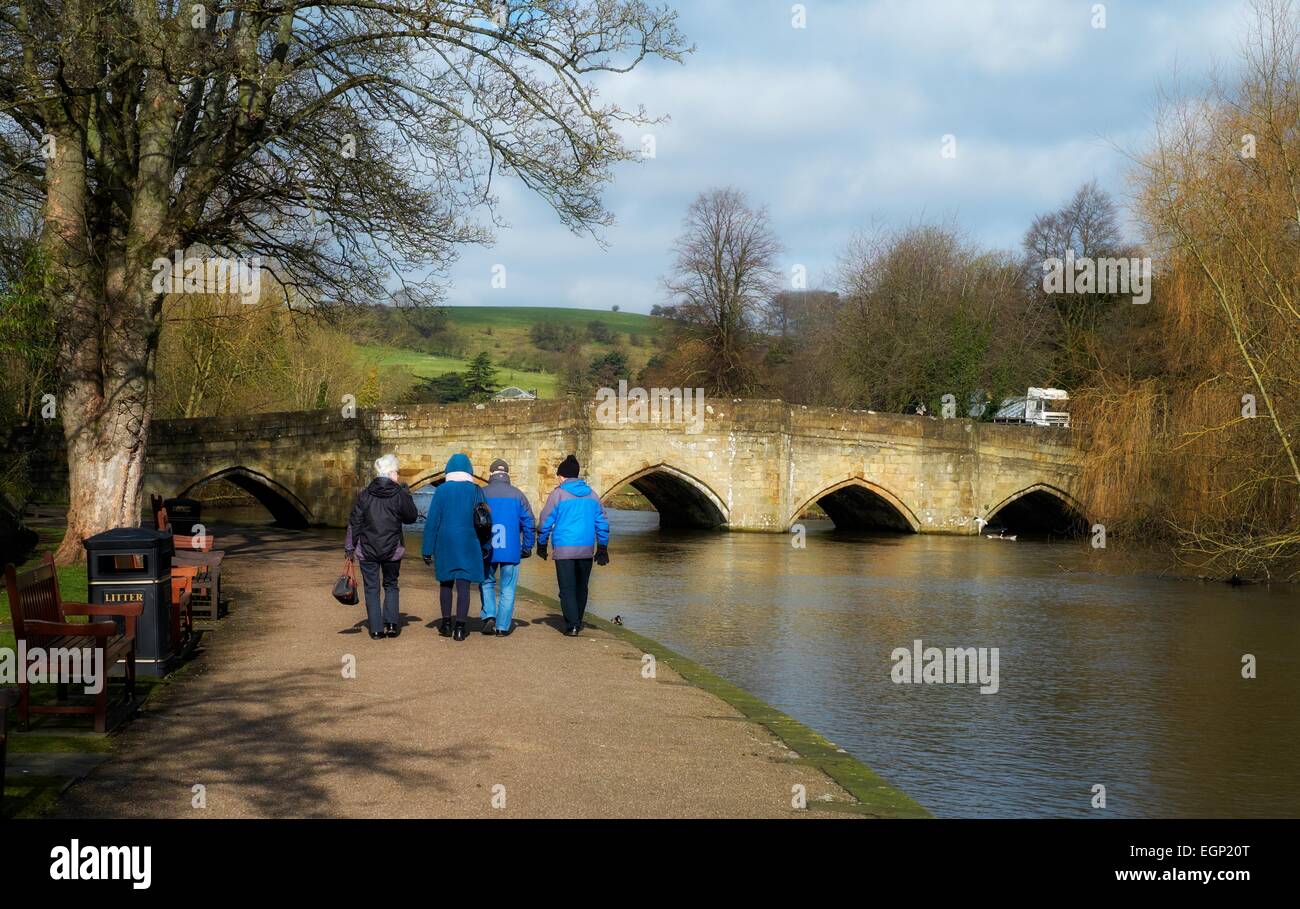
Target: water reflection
x=1107, y=676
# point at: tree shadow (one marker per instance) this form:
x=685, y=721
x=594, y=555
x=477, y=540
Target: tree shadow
x=276, y=740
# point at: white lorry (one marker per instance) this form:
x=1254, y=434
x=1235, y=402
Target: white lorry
x=1040, y=407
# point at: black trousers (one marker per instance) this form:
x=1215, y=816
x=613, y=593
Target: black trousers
x=462, y=598
x=390, y=614
x=573, y=576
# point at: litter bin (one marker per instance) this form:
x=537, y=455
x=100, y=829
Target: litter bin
x=134, y=565
x=183, y=514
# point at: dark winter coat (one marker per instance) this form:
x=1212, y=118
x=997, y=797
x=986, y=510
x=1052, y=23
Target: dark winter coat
x=375, y=525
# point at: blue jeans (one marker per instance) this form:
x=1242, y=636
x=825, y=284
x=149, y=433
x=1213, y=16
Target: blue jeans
x=499, y=605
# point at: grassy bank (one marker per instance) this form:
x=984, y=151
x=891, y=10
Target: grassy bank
x=427, y=366
x=505, y=333
x=875, y=797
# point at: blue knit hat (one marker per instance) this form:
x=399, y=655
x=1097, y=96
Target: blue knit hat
x=459, y=462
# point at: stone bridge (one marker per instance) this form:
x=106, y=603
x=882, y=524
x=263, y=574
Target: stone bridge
x=752, y=465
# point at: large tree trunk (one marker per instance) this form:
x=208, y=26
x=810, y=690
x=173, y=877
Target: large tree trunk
x=109, y=316
x=106, y=454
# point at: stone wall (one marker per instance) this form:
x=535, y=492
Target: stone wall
x=755, y=465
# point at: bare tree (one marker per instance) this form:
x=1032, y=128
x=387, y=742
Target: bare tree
x=1088, y=228
x=342, y=141
x=1220, y=194
x=724, y=272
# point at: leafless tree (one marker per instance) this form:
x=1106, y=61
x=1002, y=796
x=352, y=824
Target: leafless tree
x=1220, y=195
x=724, y=272
x=1088, y=227
x=343, y=141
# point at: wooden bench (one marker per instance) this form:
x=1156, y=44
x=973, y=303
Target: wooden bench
x=40, y=619
x=8, y=698
x=182, y=593
x=196, y=553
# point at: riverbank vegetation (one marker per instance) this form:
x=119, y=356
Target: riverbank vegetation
x=1199, y=441
x=1188, y=406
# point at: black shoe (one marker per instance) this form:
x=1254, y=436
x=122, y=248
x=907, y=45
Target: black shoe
x=459, y=634
x=571, y=631
x=505, y=634
x=444, y=628
x=377, y=635
x=489, y=625
x=392, y=630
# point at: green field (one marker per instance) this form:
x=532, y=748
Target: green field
x=426, y=366
x=503, y=331
x=503, y=317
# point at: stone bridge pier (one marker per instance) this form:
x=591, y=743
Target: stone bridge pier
x=751, y=465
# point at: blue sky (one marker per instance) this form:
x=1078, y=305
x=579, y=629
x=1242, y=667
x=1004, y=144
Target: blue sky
x=838, y=127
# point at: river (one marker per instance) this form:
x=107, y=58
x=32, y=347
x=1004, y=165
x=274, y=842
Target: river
x=1109, y=674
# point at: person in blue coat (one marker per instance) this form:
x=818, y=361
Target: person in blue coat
x=451, y=544
x=574, y=523
x=512, y=540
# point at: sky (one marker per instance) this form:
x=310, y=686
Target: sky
x=839, y=127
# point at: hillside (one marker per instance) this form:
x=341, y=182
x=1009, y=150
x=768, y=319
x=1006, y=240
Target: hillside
x=509, y=336
x=426, y=366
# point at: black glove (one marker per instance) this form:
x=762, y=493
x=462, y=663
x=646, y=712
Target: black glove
x=602, y=554
x=428, y=560
x=541, y=551
x=526, y=553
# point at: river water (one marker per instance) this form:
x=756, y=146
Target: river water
x=1108, y=673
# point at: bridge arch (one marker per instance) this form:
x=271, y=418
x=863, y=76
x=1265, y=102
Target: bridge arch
x=858, y=504
x=1040, y=510
x=285, y=507
x=681, y=499
x=438, y=477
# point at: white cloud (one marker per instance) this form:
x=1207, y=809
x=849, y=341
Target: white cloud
x=993, y=36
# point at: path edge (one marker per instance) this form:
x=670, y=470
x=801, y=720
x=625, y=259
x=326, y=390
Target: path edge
x=875, y=796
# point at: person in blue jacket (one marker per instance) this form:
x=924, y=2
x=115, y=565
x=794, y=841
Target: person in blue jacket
x=512, y=540
x=451, y=543
x=574, y=523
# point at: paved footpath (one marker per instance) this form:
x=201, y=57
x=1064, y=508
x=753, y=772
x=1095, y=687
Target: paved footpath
x=265, y=721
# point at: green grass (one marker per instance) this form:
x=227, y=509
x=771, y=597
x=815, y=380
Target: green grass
x=526, y=316
x=45, y=743
x=427, y=366
x=31, y=796
x=72, y=587
x=504, y=333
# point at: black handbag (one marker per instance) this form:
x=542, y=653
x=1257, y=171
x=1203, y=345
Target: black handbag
x=345, y=588
x=482, y=521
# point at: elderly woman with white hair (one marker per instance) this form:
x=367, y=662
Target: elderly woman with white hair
x=375, y=531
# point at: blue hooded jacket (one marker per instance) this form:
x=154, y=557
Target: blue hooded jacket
x=449, y=526
x=512, y=517
x=574, y=521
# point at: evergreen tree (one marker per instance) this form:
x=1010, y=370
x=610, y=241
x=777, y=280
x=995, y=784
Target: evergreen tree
x=608, y=369
x=481, y=378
